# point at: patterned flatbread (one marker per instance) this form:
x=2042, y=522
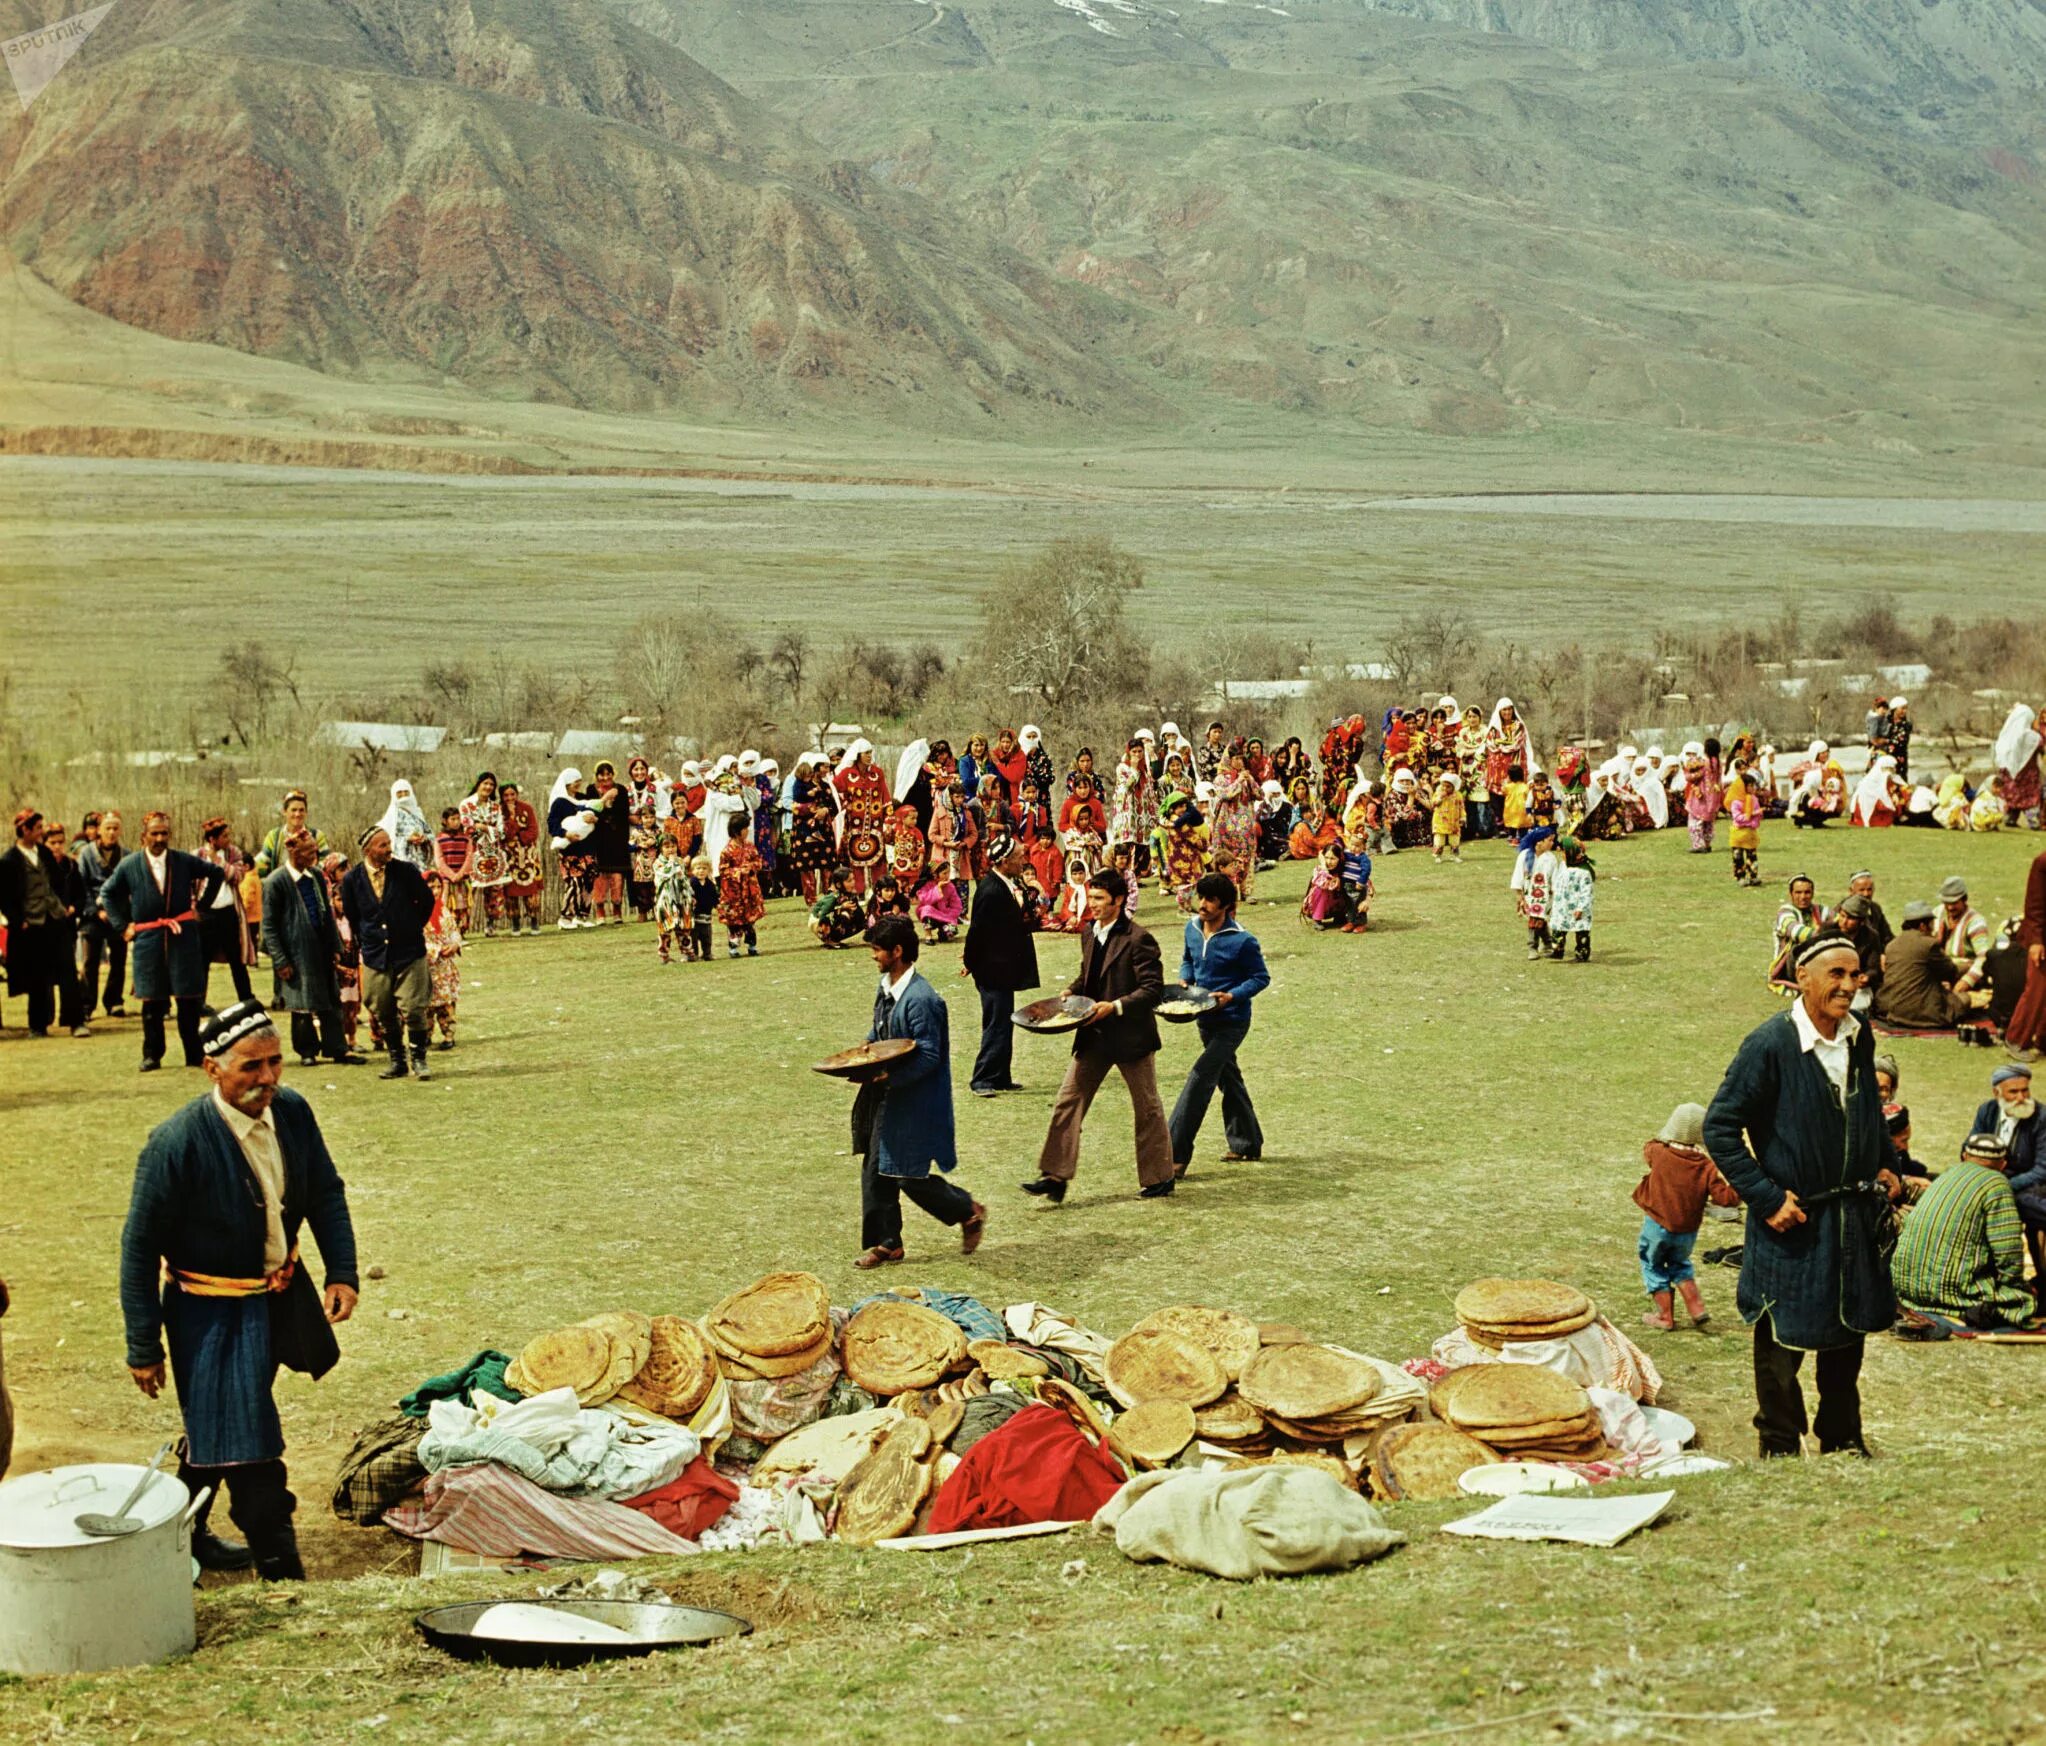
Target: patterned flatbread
x=772, y=1317
x=679, y=1372
x=1307, y=1382
x=892, y=1347
x=1159, y=1364
x=1424, y=1461
x=1232, y=1338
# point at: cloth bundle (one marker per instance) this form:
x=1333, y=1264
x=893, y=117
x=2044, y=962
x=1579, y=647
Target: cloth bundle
x=1246, y=1523
x=552, y=1442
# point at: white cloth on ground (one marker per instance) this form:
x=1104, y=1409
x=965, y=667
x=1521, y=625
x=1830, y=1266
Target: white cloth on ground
x=548, y=1439
x=1255, y=1521
x=1598, y=1356
x=1037, y=1324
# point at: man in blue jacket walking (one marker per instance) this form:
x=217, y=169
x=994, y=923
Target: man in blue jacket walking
x=1224, y=957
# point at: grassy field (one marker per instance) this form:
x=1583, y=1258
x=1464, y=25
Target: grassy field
x=611, y=1132
x=391, y=573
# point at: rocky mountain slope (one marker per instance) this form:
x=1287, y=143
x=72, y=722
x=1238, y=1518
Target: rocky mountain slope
x=1818, y=221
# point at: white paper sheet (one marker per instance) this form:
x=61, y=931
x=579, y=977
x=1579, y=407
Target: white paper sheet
x=1591, y=1521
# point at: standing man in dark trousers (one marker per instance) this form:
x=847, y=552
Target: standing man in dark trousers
x=154, y=899
x=39, y=925
x=303, y=944
x=98, y=853
x=1223, y=957
x=902, y=1121
x=1001, y=957
x=1797, y=1128
x=1122, y=973
x=210, y=1267
x=388, y=903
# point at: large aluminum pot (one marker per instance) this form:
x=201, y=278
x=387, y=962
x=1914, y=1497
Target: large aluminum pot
x=70, y=1603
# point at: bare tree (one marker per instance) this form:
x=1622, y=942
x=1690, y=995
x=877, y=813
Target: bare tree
x=1073, y=644
x=1432, y=647
x=788, y=659
x=250, y=679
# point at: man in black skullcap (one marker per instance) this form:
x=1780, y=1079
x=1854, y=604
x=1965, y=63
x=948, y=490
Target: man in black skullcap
x=210, y=1266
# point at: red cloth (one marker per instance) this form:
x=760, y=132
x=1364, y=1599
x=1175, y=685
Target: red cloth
x=693, y=1501
x=1036, y=1468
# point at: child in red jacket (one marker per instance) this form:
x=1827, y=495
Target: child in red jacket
x=1672, y=1197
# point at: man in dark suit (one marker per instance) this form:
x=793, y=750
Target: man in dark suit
x=1001, y=957
x=1122, y=973
x=388, y=903
x=40, y=910
x=303, y=944
x=902, y=1123
x=154, y=900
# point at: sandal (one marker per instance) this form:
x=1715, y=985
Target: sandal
x=878, y=1257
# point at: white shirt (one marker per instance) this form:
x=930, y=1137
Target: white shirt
x=1101, y=932
x=300, y=873
x=257, y=1137
x=159, y=868
x=894, y=990
x=1832, y=1054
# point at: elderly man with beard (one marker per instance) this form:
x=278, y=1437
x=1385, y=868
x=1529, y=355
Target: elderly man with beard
x=388, y=903
x=2012, y=1115
x=210, y=1266
x=154, y=899
x=1797, y=1128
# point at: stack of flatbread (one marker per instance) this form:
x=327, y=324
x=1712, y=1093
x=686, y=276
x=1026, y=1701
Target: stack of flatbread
x=881, y=1497
x=1161, y=1363
x=680, y=1371
x=775, y=1327
x=893, y=1347
x=1521, y=1411
x=1424, y=1461
x=596, y=1358
x=1499, y=1312
x=1321, y=1394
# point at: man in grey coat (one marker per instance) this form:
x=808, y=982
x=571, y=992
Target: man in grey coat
x=301, y=940
x=902, y=1122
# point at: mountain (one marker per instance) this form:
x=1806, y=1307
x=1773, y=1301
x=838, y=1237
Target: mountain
x=1800, y=221
x=535, y=199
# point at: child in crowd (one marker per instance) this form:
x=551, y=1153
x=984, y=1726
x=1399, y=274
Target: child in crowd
x=451, y=849
x=1672, y=1197
x=1513, y=814
x=1570, y=899
x=888, y=898
x=1448, y=816
x=1186, y=856
x=1069, y=912
x=1123, y=858
x=703, y=905
x=838, y=915
x=1534, y=878
x=938, y=908
x=1541, y=802
x=347, y=961
x=740, y=904
x=1323, y=904
x=906, y=848
x=443, y=965
x=674, y=901
x=1743, y=802
x=1701, y=792
x=1358, y=890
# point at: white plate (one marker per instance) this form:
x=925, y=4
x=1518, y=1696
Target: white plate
x=1515, y=1478
x=1676, y=1466
x=1672, y=1430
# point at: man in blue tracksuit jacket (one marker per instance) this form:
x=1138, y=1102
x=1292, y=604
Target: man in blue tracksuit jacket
x=1225, y=958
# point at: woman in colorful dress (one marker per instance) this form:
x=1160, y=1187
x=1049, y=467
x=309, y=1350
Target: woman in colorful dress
x=570, y=820
x=973, y=764
x=812, y=852
x=348, y=960
x=645, y=800
x=865, y=809
x=450, y=873
x=443, y=968
x=1037, y=763
x=489, y=865
x=1232, y=823
x=1507, y=744
x=1471, y=770
x=523, y=879
x=767, y=824
x=1879, y=795
x=1134, y=817
x=1702, y=793
x=1405, y=814
x=1258, y=762
x=740, y=904
x=1038, y=833
x=1290, y=762
x=1341, y=747
x=1083, y=823
x=1010, y=762
x=2017, y=759
x=1186, y=855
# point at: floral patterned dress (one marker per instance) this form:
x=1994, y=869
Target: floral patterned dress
x=1232, y=830
x=740, y=904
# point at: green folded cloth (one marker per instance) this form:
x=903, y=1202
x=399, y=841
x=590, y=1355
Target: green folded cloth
x=484, y=1371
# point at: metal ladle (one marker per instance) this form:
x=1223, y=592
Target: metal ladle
x=120, y=1522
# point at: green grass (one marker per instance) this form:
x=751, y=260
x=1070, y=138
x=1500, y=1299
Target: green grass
x=611, y=1132
x=389, y=574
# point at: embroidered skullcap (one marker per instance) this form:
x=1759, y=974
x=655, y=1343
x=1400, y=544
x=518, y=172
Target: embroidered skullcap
x=1859, y=873
x=220, y=1033
x=1954, y=890
x=1985, y=1147
x=149, y=820
x=213, y=827
x=375, y=830
x=297, y=835
x=1001, y=848
x=1897, y=1118
x=2007, y=1072
x=1818, y=946
x=291, y=794
x=24, y=818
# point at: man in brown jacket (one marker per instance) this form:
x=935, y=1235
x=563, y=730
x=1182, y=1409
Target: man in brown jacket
x=1122, y=973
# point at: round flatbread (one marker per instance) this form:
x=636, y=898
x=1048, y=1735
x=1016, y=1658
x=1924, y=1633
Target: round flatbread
x=1233, y=1339
x=631, y=1340
x=1153, y=1433
x=576, y=1358
x=944, y=1420
x=1548, y=1431
x=1424, y=1461
x=881, y=1496
x=774, y=1316
x=744, y=1367
x=1282, y=1334
x=1307, y=1382
x=1055, y=1391
x=1501, y=1396
x=831, y=1447
x=1494, y=1335
x=1231, y=1419
x=679, y=1372
x=1513, y=1303
x=1006, y=1363
x=1158, y=1364
x=891, y=1347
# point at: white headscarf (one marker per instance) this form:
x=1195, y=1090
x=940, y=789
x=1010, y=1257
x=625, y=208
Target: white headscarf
x=404, y=820
x=1030, y=739
x=1449, y=706
x=910, y=766
x=1528, y=761
x=1874, y=789
x=2017, y=741
x=851, y=755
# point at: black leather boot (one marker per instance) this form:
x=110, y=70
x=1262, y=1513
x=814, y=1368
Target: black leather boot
x=276, y=1555
x=397, y=1069
x=420, y=1070
x=212, y=1552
